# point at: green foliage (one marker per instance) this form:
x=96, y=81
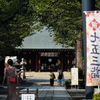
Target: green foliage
x=17, y=20
x=20, y=18
x=96, y=96
x=67, y=83
x=64, y=17
x=61, y=16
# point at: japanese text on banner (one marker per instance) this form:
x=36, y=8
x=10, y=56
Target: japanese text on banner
x=93, y=48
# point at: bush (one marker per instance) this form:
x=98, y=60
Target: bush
x=96, y=96
x=67, y=83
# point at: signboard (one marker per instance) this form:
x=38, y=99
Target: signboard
x=28, y=97
x=74, y=76
x=92, y=48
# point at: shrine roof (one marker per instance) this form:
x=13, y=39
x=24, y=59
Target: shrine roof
x=41, y=40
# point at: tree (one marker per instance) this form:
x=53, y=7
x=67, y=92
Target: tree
x=17, y=20
x=64, y=18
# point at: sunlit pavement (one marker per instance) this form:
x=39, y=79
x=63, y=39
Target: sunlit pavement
x=45, y=91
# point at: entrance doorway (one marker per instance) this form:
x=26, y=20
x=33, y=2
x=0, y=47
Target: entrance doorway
x=49, y=63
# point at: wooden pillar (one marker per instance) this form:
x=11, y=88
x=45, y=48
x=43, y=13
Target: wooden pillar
x=60, y=57
x=62, y=61
x=37, y=67
x=65, y=62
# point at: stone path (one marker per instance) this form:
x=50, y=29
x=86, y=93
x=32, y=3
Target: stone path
x=45, y=91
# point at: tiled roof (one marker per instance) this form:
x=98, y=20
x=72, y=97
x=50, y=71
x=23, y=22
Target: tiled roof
x=41, y=40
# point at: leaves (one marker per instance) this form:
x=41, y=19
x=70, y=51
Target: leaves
x=16, y=21
x=20, y=18
x=61, y=16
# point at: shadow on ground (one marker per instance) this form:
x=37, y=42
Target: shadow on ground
x=77, y=94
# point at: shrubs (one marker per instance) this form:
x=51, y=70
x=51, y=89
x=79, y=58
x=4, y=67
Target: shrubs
x=67, y=83
x=81, y=82
x=96, y=96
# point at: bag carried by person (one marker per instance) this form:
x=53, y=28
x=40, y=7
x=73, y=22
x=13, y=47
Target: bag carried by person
x=13, y=80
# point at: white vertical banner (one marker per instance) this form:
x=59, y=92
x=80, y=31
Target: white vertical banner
x=92, y=48
x=74, y=76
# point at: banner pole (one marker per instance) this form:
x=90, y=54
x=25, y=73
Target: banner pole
x=87, y=5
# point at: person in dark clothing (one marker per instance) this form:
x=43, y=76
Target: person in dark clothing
x=60, y=77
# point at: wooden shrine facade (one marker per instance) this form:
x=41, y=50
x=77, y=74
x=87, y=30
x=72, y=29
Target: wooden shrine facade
x=44, y=60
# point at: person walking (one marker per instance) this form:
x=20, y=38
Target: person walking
x=10, y=72
x=52, y=77
x=60, y=77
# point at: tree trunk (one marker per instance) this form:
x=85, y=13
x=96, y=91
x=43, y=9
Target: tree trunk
x=79, y=56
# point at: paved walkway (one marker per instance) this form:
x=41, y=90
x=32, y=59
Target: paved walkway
x=45, y=91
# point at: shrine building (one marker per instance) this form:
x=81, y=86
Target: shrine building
x=42, y=54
